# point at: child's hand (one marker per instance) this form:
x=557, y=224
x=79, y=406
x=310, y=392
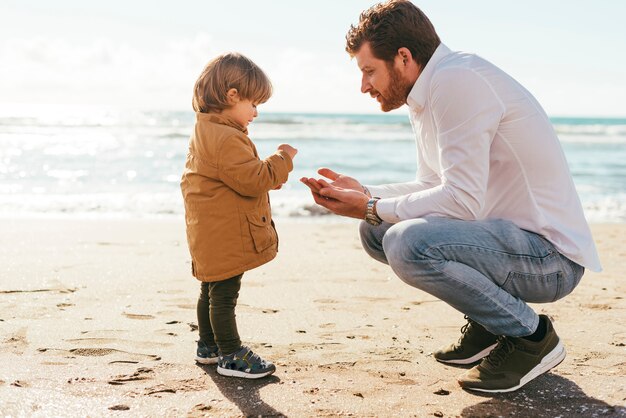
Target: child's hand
x=291, y=151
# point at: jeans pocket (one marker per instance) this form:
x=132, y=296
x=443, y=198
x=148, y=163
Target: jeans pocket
x=534, y=288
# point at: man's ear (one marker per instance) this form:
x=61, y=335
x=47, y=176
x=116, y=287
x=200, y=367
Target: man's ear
x=233, y=96
x=404, y=56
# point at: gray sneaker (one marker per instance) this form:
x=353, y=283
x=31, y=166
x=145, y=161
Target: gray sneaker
x=206, y=354
x=475, y=343
x=244, y=363
x=515, y=362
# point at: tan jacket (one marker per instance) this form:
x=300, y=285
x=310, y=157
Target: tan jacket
x=227, y=210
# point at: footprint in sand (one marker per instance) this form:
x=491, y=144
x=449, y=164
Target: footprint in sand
x=186, y=305
x=58, y=290
x=165, y=332
x=186, y=385
x=137, y=316
x=598, y=306
x=270, y=311
x=142, y=373
x=16, y=343
x=372, y=299
x=247, y=308
x=200, y=408
x=119, y=408
x=117, y=356
x=134, y=343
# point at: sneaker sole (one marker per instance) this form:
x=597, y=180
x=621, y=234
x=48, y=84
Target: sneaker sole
x=237, y=373
x=202, y=360
x=469, y=360
x=550, y=361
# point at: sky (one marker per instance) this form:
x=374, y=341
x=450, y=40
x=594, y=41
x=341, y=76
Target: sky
x=148, y=54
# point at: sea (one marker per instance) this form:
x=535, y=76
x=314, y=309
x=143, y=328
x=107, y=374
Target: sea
x=121, y=163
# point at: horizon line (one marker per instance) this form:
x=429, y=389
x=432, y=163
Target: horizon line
x=110, y=107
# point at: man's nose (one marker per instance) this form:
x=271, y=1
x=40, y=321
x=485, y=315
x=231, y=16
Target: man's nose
x=365, y=85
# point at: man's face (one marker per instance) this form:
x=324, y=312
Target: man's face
x=382, y=80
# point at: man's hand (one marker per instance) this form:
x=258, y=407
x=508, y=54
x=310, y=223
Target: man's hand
x=344, y=202
x=340, y=180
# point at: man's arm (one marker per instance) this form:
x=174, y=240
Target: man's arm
x=467, y=113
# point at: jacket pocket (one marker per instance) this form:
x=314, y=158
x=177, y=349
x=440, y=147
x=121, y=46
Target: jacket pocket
x=261, y=230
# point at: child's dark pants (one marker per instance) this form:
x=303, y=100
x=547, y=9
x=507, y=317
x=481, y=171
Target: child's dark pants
x=216, y=314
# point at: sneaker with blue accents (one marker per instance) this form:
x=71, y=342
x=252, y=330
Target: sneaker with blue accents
x=244, y=363
x=206, y=354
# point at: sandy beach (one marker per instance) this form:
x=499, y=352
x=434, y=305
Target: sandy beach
x=97, y=318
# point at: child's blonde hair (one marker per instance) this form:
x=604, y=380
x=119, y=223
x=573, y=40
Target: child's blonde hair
x=227, y=71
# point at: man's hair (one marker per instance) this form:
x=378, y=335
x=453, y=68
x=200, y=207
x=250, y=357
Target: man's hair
x=390, y=26
x=227, y=71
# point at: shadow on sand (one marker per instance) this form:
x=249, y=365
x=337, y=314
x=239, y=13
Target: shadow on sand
x=549, y=396
x=247, y=399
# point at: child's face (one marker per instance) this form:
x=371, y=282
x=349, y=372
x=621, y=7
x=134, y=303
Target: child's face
x=243, y=112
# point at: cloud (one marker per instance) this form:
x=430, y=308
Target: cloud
x=108, y=72
x=102, y=71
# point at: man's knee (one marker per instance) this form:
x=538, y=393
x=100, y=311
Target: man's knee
x=407, y=240
x=408, y=248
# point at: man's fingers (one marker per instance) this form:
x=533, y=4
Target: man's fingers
x=328, y=173
x=324, y=184
x=321, y=200
x=311, y=184
x=330, y=193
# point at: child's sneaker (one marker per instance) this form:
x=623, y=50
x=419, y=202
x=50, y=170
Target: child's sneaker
x=206, y=354
x=244, y=363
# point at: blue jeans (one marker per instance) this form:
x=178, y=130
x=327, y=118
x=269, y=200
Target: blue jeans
x=487, y=269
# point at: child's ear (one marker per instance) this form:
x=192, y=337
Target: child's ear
x=233, y=96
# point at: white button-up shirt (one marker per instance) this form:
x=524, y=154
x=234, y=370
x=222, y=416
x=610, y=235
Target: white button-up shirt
x=485, y=150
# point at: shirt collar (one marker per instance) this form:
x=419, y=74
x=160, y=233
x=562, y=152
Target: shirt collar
x=417, y=96
x=220, y=119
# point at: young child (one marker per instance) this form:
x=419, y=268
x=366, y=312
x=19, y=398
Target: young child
x=227, y=211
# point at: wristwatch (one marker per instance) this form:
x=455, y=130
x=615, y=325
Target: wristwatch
x=370, y=215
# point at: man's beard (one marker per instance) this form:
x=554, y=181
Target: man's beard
x=396, y=94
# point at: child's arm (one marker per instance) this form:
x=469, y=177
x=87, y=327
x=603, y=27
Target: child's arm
x=242, y=171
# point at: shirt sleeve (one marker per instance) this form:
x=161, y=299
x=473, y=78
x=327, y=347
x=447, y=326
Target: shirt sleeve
x=466, y=113
x=241, y=169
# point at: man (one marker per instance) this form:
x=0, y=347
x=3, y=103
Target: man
x=492, y=220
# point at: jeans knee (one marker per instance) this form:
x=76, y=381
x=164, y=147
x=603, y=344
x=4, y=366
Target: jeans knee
x=406, y=247
x=404, y=244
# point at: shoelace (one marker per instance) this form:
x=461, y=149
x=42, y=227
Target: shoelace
x=464, y=329
x=502, y=350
